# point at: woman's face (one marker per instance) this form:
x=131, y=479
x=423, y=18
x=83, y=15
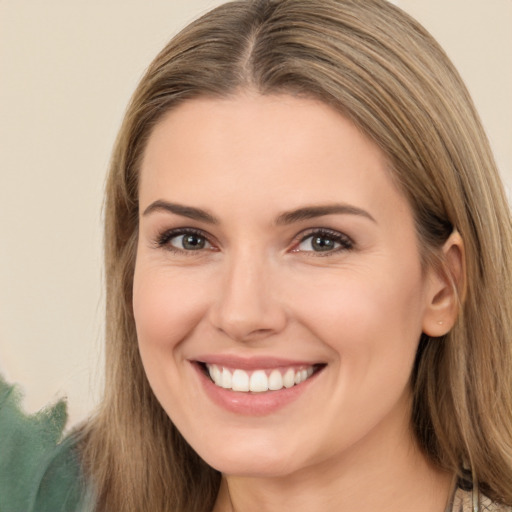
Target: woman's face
x=274, y=248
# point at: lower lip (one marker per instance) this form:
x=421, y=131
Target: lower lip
x=253, y=404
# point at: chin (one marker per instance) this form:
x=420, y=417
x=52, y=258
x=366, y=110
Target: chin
x=251, y=468
x=252, y=461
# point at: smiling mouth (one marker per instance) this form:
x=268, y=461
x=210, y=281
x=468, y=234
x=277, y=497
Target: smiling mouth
x=259, y=381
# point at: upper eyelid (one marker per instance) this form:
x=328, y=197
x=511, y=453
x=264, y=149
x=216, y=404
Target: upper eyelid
x=318, y=229
x=323, y=231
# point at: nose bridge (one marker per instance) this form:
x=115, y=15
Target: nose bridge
x=248, y=305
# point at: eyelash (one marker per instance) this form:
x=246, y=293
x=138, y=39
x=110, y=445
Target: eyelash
x=345, y=242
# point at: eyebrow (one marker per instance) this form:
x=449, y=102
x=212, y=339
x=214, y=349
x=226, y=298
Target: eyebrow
x=311, y=212
x=184, y=211
x=285, y=218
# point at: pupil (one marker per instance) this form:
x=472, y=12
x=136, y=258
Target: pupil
x=322, y=244
x=193, y=242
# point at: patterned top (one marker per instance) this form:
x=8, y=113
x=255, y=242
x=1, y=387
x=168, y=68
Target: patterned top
x=463, y=502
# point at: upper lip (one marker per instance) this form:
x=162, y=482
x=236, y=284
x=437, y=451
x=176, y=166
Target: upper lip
x=252, y=363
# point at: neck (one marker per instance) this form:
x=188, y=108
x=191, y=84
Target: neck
x=386, y=476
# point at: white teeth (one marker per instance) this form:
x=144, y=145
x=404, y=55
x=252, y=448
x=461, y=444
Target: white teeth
x=226, y=380
x=289, y=378
x=240, y=381
x=275, y=380
x=257, y=381
x=215, y=374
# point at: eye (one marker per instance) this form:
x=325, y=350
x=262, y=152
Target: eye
x=324, y=241
x=184, y=240
x=189, y=242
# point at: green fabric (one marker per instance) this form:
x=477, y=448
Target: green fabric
x=39, y=472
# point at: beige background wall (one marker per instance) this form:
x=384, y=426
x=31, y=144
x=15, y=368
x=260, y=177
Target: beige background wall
x=67, y=68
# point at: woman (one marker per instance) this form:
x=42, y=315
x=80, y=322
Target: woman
x=308, y=266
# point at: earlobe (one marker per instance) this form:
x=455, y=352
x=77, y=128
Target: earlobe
x=446, y=288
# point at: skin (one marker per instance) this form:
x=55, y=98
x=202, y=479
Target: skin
x=259, y=287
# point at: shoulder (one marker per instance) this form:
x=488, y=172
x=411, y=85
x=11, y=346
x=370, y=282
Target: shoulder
x=38, y=469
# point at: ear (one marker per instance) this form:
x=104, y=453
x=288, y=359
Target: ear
x=445, y=288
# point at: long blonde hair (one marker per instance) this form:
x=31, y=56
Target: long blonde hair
x=382, y=70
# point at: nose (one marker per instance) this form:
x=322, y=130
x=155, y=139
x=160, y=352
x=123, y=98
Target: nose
x=248, y=306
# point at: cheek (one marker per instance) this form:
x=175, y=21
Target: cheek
x=371, y=323
x=166, y=311
x=372, y=326
x=165, y=308
x=373, y=302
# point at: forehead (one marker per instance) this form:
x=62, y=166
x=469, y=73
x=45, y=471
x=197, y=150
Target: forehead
x=254, y=150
